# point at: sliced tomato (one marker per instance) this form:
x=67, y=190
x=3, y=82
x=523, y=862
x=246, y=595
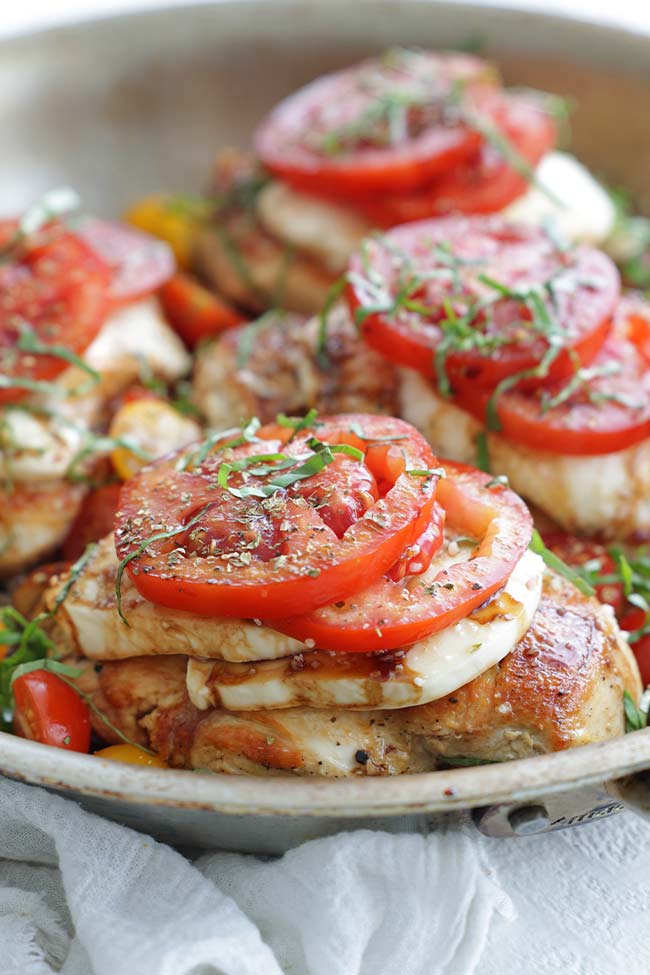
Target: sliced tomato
x=417, y=557
x=578, y=552
x=607, y=413
x=484, y=294
x=388, y=615
x=50, y=711
x=252, y=539
x=139, y=264
x=391, y=123
x=94, y=521
x=486, y=182
x=53, y=289
x=194, y=312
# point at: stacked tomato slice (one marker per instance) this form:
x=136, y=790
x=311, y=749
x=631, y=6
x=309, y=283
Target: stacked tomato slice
x=321, y=529
x=57, y=287
x=528, y=334
x=408, y=135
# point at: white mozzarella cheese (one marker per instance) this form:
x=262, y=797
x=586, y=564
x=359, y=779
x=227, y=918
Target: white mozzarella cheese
x=327, y=231
x=604, y=494
x=572, y=200
x=93, y=627
x=584, y=211
x=139, y=333
x=37, y=448
x=428, y=670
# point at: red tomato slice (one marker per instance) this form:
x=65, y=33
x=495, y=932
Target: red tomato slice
x=440, y=281
x=194, y=312
x=390, y=615
x=576, y=552
x=240, y=545
x=53, y=286
x=391, y=123
x=606, y=414
x=139, y=263
x=94, y=521
x=417, y=557
x=485, y=183
x=50, y=711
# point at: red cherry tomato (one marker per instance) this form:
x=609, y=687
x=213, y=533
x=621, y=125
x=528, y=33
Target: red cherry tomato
x=433, y=276
x=390, y=123
x=50, y=711
x=246, y=534
x=55, y=289
x=194, y=312
x=139, y=264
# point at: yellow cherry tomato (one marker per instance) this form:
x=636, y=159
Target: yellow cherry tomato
x=131, y=755
x=169, y=219
x=154, y=428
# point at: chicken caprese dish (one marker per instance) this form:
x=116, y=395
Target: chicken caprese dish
x=267, y=454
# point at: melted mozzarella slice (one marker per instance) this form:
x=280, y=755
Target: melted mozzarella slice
x=92, y=627
x=603, y=494
x=584, y=212
x=572, y=199
x=326, y=231
x=36, y=448
x=428, y=670
x=138, y=333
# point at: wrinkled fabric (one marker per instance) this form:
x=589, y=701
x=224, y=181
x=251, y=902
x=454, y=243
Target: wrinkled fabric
x=83, y=896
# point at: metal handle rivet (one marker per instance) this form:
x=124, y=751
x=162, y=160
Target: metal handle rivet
x=528, y=819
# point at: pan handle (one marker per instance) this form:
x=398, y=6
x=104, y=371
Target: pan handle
x=634, y=791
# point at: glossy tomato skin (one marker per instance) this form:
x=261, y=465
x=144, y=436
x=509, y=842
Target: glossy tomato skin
x=334, y=137
x=194, y=312
x=56, y=284
x=458, y=268
x=485, y=182
x=139, y=264
x=391, y=614
x=416, y=559
x=94, y=521
x=605, y=415
x=49, y=711
x=341, y=493
x=235, y=552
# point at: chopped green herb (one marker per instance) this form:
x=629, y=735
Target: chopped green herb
x=483, y=452
x=555, y=563
x=635, y=718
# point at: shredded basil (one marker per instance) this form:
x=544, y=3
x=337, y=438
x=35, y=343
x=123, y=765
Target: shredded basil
x=555, y=563
x=635, y=718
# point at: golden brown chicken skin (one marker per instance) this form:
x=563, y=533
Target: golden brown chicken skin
x=273, y=367
x=561, y=686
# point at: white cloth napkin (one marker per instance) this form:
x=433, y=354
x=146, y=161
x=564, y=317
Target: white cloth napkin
x=83, y=896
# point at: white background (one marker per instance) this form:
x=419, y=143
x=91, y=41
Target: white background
x=24, y=15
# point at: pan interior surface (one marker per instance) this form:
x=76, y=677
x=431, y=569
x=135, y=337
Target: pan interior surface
x=127, y=106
